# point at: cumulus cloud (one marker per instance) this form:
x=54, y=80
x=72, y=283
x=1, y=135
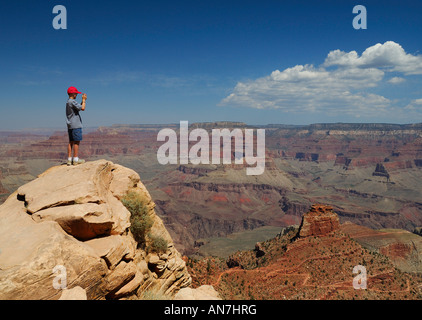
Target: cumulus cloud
x=341, y=85
x=414, y=105
x=396, y=80
x=389, y=56
x=310, y=89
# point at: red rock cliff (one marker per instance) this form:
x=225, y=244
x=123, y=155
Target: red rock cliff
x=319, y=221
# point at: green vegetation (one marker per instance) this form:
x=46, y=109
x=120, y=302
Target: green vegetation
x=141, y=223
x=157, y=244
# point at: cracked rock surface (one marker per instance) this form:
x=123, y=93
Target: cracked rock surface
x=72, y=217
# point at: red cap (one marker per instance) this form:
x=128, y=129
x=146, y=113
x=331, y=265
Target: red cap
x=72, y=90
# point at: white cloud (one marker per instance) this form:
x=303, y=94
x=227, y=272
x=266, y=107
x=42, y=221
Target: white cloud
x=339, y=86
x=310, y=89
x=389, y=56
x=414, y=105
x=396, y=80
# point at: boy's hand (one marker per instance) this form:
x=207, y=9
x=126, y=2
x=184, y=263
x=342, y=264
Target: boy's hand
x=83, y=102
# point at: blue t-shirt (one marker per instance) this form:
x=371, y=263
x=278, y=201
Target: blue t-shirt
x=73, y=118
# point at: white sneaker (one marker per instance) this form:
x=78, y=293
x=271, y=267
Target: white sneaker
x=80, y=161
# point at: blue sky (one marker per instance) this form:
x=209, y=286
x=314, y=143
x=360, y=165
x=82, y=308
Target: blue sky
x=293, y=62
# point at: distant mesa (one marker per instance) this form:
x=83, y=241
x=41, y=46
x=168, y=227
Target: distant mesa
x=319, y=221
x=381, y=171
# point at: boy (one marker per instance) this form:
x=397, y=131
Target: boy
x=74, y=125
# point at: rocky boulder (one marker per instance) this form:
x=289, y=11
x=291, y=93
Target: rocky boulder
x=204, y=292
x=76, y=293
x=68, y=229
x=319, y=221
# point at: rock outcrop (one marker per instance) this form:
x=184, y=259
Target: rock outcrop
x=68, y=229
x=76, y=293
x=204, y=292
x=319, y=221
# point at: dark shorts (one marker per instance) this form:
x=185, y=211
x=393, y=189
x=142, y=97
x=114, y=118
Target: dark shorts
x=75, y=134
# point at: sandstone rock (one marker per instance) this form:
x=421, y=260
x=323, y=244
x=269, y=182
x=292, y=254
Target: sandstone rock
x=157, y=264
x=30, y=251
x=65, y=185
x=71, y=219
x=169, y=275
x=164, y=257
x=172, y=264
x=76, y=293
x=83, y=221
x=121, y=275
x=319, y=221
x=120, y=215
x=130, y=287
x=153, y=259
x=113, y=249
x=204, y=292
x=124, y=179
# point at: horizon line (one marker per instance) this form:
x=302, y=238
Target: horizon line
x=268, y=125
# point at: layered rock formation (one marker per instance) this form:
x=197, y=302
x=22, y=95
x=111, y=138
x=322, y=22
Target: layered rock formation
x=402, y=247
x=319, y=221
x=68, y=229
x=370, y=173
x=316, y=262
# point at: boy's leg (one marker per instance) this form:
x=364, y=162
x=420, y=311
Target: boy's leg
x=77, y=138
x=69, y=153
x=69, y=149
x=76, y=159
x=75, y=149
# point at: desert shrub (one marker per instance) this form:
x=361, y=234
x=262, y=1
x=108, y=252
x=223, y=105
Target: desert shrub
x=157, y=244
x=140, y=221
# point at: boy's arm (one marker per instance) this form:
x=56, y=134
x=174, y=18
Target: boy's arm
x=83, y=102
